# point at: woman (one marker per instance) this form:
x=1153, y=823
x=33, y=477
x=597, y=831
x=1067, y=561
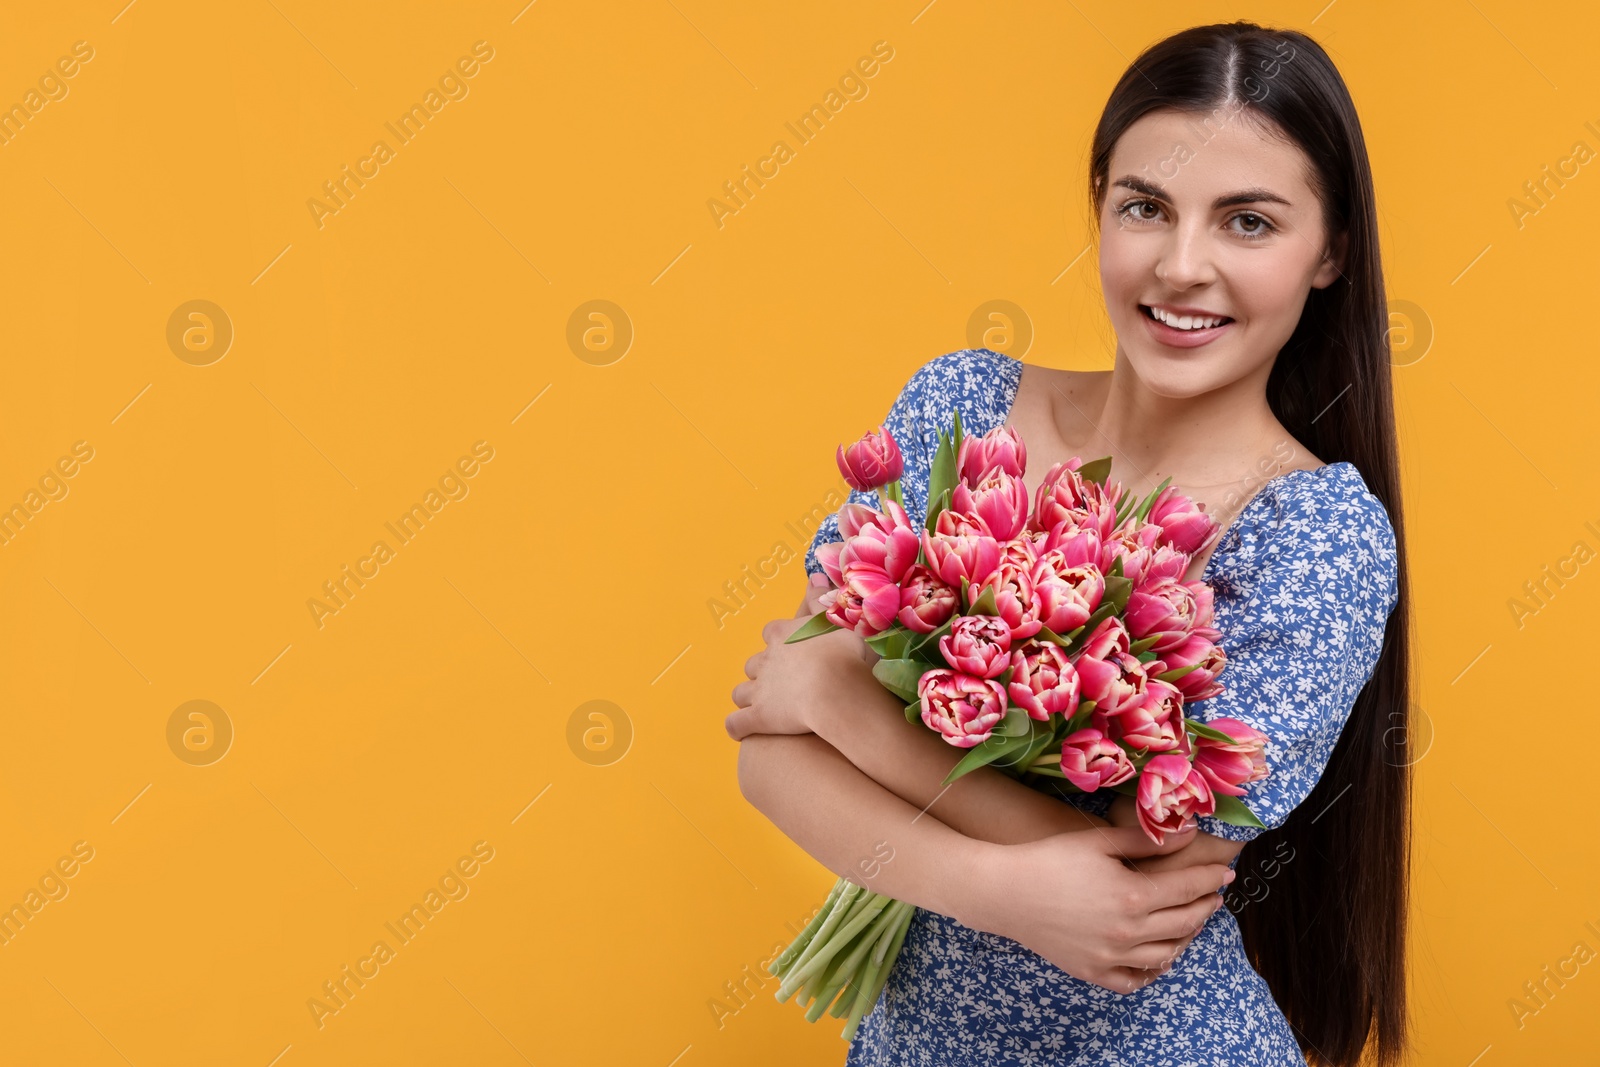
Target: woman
x=1239, y=263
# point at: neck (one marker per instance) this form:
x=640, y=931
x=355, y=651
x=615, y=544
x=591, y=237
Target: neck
x=1206, y=441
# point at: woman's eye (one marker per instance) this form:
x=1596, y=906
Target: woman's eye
x=1254, y=227
x=1134, y=206
x=1257, y=227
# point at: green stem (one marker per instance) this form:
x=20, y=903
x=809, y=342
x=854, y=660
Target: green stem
x=853, y=926
x=877, y=971
x=880, y=934
x=835, y=914
x=798, y=945
x=844, y=972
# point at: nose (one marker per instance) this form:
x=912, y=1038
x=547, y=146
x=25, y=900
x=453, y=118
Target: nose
x=1186, y=256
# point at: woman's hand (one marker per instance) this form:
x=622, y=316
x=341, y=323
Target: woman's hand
x=1071, y=899
x=789, y=686
x=1202, y=848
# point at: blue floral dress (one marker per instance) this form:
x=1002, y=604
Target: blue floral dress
x=1305, y=579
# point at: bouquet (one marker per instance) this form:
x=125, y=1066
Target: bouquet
x=1060, y=641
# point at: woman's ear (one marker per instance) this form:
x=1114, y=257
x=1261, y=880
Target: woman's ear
x=1333, y=263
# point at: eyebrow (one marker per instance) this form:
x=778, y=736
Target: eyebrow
x=1244, y=196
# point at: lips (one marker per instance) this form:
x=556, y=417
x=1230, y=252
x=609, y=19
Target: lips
x=1149, y=313
x=1173, y=337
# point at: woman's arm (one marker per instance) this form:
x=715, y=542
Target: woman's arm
x=1067, y=897
x=840, y=818
x=867, y=724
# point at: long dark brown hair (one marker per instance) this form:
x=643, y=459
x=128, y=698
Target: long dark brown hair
x=1329, y=936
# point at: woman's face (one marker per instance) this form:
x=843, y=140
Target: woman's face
x=1206, y=212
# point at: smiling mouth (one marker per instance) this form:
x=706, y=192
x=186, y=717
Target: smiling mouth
x=1148, y=312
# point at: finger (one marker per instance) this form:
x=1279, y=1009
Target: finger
x=1154, y=956
x=777, y=631
x=1126, y=980
x=816, y=589
x=1182, y=921
x=1171, y=888
x=744, y=694
x=741, y=724
x=752, y=666
x=1131, y=842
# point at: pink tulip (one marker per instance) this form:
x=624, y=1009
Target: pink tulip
x=1043, y=681
x=1112, y=677
x=1064, y=548
x=1114, y=683
x=1090, y=759
x=843, y=608
x=859, y=520
x=1108, y=637
x=1135, y=543
x=957, y=548
x=1021, y=550
x=892, y=551
x=1067, y=597
x=1184, y=524
x=868, y=601
x=1015, y=599
x=1226, y=768
x=1066, y=497
x=925, y=601
x=1153, y=723
x=962, y=708
x=999, y=500
x=978, y=644
x=1001, y=447
x=872, y=462
x=1200, y=683
x=1170, y=791
x=854, y=518
x=1168, y=611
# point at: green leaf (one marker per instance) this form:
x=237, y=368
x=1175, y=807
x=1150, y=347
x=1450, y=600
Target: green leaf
x=1233, y=811
x=1039, y=737
x=914, y=711
x=939, y=504
x=1100, y=615
x=985, y=604
x=817, y=624
x=1149, y=501
x=930, y=641
x=1096, y=471
x=1118, y=590
x=1116, y=567
x=955, y=431
x=1146, y=657
x=1143, y=643
x=941, y=477
x=1080, y=718
x=1006, y=739
x=900, y=676
x=1047, y=634
x=1177, y=672
x=893, y=643
x=1200, y=729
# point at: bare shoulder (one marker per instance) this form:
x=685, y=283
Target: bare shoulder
x=1053, y=404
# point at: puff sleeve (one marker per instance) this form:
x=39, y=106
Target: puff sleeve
x=1316, y=577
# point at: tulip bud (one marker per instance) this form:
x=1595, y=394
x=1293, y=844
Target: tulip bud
x=872, y=462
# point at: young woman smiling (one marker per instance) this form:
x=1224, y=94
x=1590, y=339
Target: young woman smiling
x=1243, y=281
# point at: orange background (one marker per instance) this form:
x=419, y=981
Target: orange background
x=635, y=470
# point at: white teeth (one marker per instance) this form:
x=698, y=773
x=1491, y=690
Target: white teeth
x=1185, y=322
